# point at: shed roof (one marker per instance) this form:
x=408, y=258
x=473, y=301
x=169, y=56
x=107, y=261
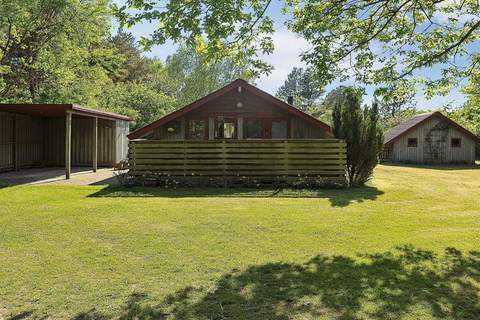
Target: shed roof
x=59, y=110
x=407, y=126
x=239, y=82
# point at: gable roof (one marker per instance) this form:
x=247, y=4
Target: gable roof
x=409, y=125
x=202, y=101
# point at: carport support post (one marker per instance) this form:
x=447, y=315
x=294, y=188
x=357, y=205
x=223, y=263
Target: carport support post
x=68, y=144
x=95, y=144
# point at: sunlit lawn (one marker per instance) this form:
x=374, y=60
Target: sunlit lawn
x=406, y=247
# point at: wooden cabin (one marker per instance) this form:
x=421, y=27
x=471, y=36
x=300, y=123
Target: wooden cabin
x=51, y=135
x=236, y=133
x=430, y=138
x=237, y=111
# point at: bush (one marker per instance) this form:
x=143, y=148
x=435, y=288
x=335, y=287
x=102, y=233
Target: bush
x=360, y=128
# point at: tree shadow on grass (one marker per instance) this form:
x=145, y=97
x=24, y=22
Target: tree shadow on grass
x=389, y=285
x=337, y=197
x=441, y=167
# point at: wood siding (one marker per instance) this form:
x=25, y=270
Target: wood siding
x=402, y=153
x=27, y=141
x=325, y=158
x=82, y=142
x=21, y=141
x=254, y=107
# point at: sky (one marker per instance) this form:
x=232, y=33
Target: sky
x=288, y=48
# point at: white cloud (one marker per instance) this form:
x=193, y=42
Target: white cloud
x=288, y=48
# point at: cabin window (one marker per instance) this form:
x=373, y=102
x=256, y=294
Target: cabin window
x=197, y=129
x=279, y=129
x=225, y=128
x=253, y=129
x=412, y=142
x=456, y=143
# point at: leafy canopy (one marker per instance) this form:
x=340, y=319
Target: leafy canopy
x=374, y=41
x=217, y=28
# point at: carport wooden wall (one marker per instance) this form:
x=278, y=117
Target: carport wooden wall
x=21, y=141
x=82, y=142
x=41, y=141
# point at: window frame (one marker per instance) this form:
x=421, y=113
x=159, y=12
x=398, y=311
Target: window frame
x=187, y=131
x=412, y=145
x=266, y=127
x=225, y=116
x=455, y=145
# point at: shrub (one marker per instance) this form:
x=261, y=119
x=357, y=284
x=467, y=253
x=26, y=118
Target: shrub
x=360, y=128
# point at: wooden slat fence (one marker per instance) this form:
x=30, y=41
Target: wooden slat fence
x=320, y=157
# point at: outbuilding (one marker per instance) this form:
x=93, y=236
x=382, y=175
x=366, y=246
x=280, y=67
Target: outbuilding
x=430, y=138
x=45, y=135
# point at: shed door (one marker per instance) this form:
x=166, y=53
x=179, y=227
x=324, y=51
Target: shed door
x=435, y=146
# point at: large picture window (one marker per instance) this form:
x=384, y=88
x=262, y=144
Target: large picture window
x=253, y=129
x=225, y=128
x=197, y=129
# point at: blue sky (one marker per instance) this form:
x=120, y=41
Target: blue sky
x=288, y=48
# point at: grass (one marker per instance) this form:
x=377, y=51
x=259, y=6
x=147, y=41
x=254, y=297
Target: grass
x=405, y=247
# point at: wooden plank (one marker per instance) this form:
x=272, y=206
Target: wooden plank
x=95, y=144
x=241, y=158
x=68, y=144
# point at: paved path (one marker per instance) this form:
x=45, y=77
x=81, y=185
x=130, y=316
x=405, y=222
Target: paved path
x=80, y=176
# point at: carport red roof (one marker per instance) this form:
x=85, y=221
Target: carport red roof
x=59, y=110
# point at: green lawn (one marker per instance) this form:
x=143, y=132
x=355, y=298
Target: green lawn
x=406, y=247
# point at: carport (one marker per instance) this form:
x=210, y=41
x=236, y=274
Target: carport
x=49, y=135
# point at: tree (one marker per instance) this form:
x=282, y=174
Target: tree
x=134, y=66
x=361, y=131
x=469, y=114
x=375, y=41
x=195, y=76
x=301, y=85
x=54, y=50
x=137, y=100
x=216, y=28
x=394, y=98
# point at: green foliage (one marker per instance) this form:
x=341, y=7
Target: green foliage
x=133, y=67
x=140, y=101
x=361, y=131
x=216, y=28
x=194, y=76
x=301, y=85
x=376, y=42
x=384, y=41
x=395, y=98
x=54, y=50
x=469, y=114
x=400, y=117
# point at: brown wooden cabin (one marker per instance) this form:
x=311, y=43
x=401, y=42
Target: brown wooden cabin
x=238, y=133
x=430, y=138
x=235, y=112
x=50, y=135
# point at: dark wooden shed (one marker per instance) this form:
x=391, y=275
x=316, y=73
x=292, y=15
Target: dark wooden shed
x=42, y=135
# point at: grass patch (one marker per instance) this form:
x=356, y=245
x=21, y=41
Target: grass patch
x=405, y=247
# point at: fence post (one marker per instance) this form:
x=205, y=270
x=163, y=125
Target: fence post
x=184, y=159
x=286, y=157
x=224, y=160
